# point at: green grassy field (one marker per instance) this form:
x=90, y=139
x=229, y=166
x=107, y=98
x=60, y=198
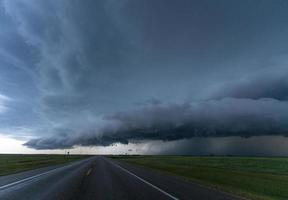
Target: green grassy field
x=10, y=163
x=255, y=178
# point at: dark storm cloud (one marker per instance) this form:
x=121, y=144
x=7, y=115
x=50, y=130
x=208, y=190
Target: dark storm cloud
x=227, y=117
x=274, y=146
x=272, y=84
x=81, y=57
x=203, y=29
x=92, y=61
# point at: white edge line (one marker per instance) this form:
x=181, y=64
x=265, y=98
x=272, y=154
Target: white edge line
x=141, y=179
x=26, y=179
x=36, y=176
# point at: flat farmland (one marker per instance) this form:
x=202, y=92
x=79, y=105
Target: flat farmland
x=257, y=178
x=13, y=163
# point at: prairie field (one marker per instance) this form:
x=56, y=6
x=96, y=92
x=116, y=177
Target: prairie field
x=13, y=163
x=257, y=178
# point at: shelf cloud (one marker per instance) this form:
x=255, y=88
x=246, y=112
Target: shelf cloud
x=214, y=118
x=105, y=72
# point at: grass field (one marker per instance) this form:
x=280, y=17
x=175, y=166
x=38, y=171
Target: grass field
x=251, y=177
x=10, y=163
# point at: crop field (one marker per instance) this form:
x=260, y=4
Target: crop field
x=11, y=163
x=257, y=178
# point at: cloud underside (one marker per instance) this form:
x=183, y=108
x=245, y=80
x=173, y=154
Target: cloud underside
x=213, y=118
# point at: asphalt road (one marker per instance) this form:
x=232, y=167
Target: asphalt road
x=104, y=179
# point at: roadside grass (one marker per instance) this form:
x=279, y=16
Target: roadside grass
x=257, y=178
x=13, y=163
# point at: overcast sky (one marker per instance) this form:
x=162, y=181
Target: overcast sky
x=133, y=74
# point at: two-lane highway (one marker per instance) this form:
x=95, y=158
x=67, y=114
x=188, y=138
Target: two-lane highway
x=101, y=178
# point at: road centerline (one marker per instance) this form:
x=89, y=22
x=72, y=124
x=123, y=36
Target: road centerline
x=88, y=172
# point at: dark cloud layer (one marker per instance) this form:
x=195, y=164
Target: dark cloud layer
x=274, y=146
x=111, y=71
x=227, y=117
x=270, y=85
